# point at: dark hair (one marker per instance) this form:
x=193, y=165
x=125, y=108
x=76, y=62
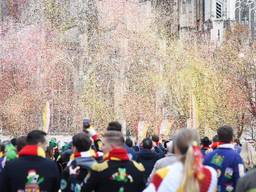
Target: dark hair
x=2, y=147
x=114, y=137
x=82, y=142
x=35, y=137
x=215, y=138
x=13, y=141
x=129, y=142
x=225, y=134
x=114, y=126
x=21, y=142
x=86, y=123
x=165, y=144
x=155, y=138
x=205, y=141
x=147, y=143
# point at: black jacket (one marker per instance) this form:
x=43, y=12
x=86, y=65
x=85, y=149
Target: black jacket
x=116, y=176
x=30, y=173
x=148, y=159
x=72, y=182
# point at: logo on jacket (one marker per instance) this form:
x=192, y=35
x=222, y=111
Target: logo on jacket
x=217, y=160
x=122, y=176
x=33, y=182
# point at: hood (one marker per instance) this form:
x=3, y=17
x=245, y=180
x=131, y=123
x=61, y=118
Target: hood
x=85, y=162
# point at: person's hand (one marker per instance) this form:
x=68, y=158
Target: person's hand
x=74, y=171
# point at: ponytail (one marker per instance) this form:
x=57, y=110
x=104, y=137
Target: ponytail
x=192, y=170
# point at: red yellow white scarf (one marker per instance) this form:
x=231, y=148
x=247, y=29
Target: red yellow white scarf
x=32, y=150
x=118, y=154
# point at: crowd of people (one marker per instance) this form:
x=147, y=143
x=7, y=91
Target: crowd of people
x=113, y=163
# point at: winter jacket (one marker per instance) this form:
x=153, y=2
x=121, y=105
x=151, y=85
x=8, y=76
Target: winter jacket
x=170, y=179
x=116, y=174
x=77, y=170
x=228, y=164
x=247, y=183
x=164, y=162
x=131, y=152
x=148, y=159
x=30, y=172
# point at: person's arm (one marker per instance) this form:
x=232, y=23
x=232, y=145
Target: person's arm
x=156, y=167
x=241, y=185
x=92, y=182
x=65, y=182
x=57, y=177
x=5, y=185
x=238, y=169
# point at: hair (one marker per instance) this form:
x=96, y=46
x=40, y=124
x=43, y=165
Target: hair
x=2, y=147
x=237, y=141
x=225, y=134
x=21, y=142
x=86, y=123
x=115, y=138
x=147, y=143
x=215, y=138
x=205, y=141
x=155, y=138
x=82, y=142
x=14, y=141
x=129, y=142
x=35, y=137
x=183, y=141
x=114, y=126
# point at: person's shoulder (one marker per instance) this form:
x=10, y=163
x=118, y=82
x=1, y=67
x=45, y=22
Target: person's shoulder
x=210, y=154
x=138, y=166
x=251, y=173
x=99, y=167
x=13, y=163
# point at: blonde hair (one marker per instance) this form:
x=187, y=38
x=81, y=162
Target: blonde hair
x=184, y=141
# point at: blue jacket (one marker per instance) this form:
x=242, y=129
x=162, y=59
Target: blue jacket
x=131, y=153
x=148, y=159
x=228, y=164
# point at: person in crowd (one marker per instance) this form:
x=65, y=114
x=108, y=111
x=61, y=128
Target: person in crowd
x=226, y=161
x=2, y=155
x=21, y=142
x=66, y=153
x=116, y=126
x=147, y=157
x=117, y=173
x=238, y=146
x=88, y=128
x=215, y=142
x=247, y=183
x=169, y=158
x=97, y=143
x=248, y=155
x=77, y=170
x=187, y=174
x=205, y=145
x=31, y=171
x=158, y=147
x=129, y=148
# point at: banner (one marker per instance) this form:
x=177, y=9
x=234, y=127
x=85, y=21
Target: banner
x=46, y=117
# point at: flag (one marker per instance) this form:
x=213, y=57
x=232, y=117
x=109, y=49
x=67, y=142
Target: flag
x=46, y=117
